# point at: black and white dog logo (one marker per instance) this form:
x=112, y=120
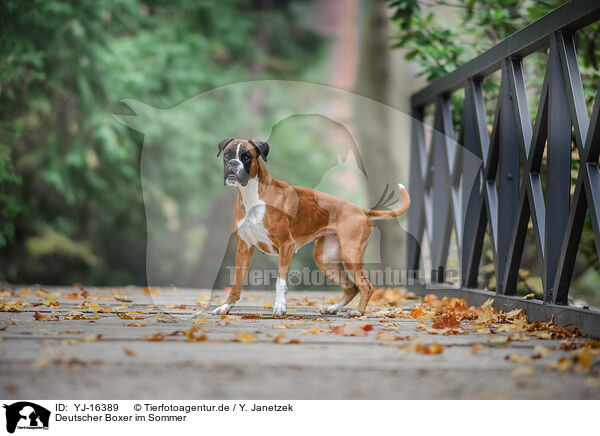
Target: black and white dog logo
x=26, y=415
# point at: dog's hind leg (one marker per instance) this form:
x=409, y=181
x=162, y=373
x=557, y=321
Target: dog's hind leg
x=352, y=247
x=328, y=259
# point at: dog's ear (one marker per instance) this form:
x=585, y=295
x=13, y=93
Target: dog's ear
x=262, y=148
x=223, y=144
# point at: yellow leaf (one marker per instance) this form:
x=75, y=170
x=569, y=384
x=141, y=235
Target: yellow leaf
x=143, y=323
x=314, y=331
x=487, y=303
x=245, y=337
x=523, y=371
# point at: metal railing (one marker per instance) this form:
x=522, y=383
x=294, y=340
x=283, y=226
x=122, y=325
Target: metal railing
x=507, y=190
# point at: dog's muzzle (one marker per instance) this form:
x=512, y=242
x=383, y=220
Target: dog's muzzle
x=235, y=174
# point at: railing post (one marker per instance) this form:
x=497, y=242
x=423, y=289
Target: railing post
x=507, y=178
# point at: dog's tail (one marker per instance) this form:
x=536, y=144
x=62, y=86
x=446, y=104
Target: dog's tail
x=387, y=214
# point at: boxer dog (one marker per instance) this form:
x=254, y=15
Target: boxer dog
x=278, y=219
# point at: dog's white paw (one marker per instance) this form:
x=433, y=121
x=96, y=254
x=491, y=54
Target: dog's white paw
x=352, y=313
x=222, y=310
x=331, y=310
x=279, y=308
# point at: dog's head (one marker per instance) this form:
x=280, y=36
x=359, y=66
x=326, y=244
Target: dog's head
x=240, y=159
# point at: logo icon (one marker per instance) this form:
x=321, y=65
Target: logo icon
x=26, y=415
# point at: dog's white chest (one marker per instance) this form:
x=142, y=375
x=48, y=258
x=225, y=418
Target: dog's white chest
x=251, y=228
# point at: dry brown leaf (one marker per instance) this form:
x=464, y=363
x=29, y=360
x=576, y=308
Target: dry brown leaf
x=351, y=330
x=156, y=337
x=191, y=335
x=530, y=295
x=45, y=317
x=445, y=322
x=282, y=339
x=128, y=351
x=123, y=298
x=420, y=347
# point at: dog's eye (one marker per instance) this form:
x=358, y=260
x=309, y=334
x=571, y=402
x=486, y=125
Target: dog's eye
x=246, y=157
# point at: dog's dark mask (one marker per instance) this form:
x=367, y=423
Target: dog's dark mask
x=237, y=160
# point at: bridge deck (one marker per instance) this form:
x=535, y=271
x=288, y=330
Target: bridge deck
x=107, y=358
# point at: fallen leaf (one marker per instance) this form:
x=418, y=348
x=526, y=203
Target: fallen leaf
x=42, y=361
x=445, y=321
x=156, y=337
x=191, y=335
x=123, y=298
x=282, y=339
x=143, y=323
x=128, y=351
x=593, y=382
x=351, y=330
x=525, y=297
x=584, y=359
x=245, y=337
x=523, y=371
x=420, y=347
x=517, y=358
x=314, y=331
x=544, y=351
x=563, y=364
x=476, y=348
x=151, y=291
x=385, y=336
x=487, y=303
x=45, y=317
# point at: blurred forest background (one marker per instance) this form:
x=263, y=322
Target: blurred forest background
x=71, y=200
x=71, y=203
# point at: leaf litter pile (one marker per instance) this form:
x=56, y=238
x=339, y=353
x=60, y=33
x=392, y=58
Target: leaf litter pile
x=434, y=316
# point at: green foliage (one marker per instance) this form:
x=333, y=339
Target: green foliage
x=67, y=167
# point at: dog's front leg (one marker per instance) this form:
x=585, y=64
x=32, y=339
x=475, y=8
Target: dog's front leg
x=285, y=257
x=243, y=255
